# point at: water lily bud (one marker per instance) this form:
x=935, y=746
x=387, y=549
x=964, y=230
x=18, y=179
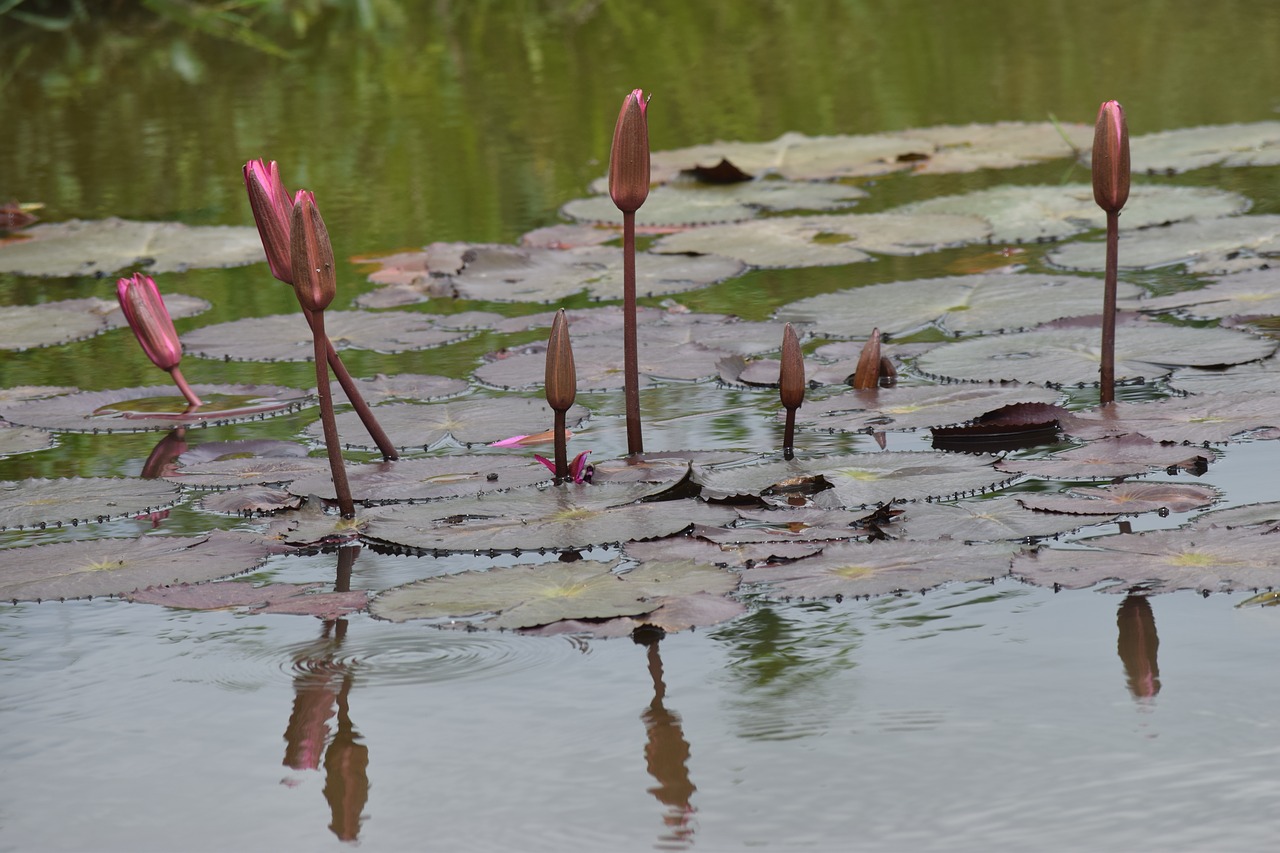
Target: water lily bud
x=629, y=158
x=144, y=310
x=314, y=277
x=1111, y=158
x=561, y=377
x=791, y=377
x=272, y=212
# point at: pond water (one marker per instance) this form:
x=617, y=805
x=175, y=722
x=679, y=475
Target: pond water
x=976, y=717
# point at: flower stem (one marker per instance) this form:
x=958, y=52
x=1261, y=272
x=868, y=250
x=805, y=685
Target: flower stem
x=789, y=435
x=349, y=388
x=179, y=380
x=1107, y=377
x=562, y=456
x=630, y=355
x=336, y=464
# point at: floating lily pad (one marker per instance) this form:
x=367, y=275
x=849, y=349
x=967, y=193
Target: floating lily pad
x=1248, y=515
x=1204, y=246
x=429, y=479
x=600, y=365
x=813, y=241
x=24, y=393
x=960, y=304
x=1255, y=293
x=101, y=247
x=1073, y=356
x=157, y=407
x=1000, y=519
x=41, y=503
x=912, y=408
x=1202, y=419
x=677, y=613
x=1020, y=214
x=725, y=555
x=606, y=319
x=879, y=568
x=789, y=525
x=525, y=596
x=687, y=203
x=402, y=386
x=297, y=599
x=1207, y=559
x=556, y=518
x=287, y=337
x=1108, y=458
x=1124, y=499
x=738, y=372
x=419, y=426
x=312, y=525
x=998, y=145
x=244, y=471
x=1184, y=149
x=119, y=566
x=25, y=327
x=567, y=236
x=14, y=439
x=249, y=500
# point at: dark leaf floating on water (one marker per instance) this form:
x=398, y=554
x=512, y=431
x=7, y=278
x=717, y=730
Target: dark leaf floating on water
x=879, y=568
x=1209, y=246
x=557, y=518
x=917, y=407
x=686, y=203
x=960, y=304
x=156, y=407
x=100, y=247
x=296, y=599
x=429, y=479
x=40, y=503
x=1108, y=458
x=723, y=172
x=413, y=426
x=1123, y=499
x=287, y=337
x=525, y=596
x=48, y=324
x=119, y=566
x=1016, y=426
x=1205, y=559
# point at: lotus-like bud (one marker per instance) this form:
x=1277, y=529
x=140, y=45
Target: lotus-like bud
x=314, y=277
x=561, y=377
x=272, y=211
x=144, y=310
x=629, y=158
x=1111, y=158
x=791, y=376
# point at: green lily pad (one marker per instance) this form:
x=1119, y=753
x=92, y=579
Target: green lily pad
x=687, y=203
x=1204, y=246
x=1184, y=149
x=1202, y=419
x=24, y=327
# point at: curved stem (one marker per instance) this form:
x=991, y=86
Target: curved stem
x=1107, y=375
x=630, y=355
x=349, y=388
x=336, y=464
x=181, y=382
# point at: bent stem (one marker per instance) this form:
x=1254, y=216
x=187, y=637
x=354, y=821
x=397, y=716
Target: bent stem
x=345, y=505
x=630, y=355
x=1107, y=378
x=193, y=401
x=349, y=388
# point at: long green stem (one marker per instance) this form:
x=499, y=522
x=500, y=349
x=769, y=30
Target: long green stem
x=336, y=464
x=1107, y=377
x=349, y=388
x=630, y=353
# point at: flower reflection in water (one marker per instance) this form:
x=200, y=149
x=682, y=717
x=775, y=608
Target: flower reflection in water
x=666, y=754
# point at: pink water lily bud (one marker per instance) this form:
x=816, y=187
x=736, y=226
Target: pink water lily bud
x=272, y=212
x=629, y=158
x=314, y=277
x=1111, y=158
x=144, y=310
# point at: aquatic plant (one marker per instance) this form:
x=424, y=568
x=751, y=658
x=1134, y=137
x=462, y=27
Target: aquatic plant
x=1110, y=191
x=143, y=307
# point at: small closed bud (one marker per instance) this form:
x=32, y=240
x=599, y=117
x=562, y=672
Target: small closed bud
x=144, y=310
x=629, y=157
x=791, y=376
x=314, y=277
x=272, y=212
x=1111, y=158
x=562, y=377
x=867, y=374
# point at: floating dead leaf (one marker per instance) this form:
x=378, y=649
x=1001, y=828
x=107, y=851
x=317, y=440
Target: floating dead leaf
x=118, y=566
x=723, y=172
x=1123, y=499
x=1204, y=246
x=1184, y=149
x=413, y=426
x=40, y=503
x=1105, y=459
x=916, y=407
x=1013, y=427
x=429, y=479
x=297, y=599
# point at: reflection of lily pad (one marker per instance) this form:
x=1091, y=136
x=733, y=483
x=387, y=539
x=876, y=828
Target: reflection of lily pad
x=1124, y=499
x=813, y=241
x=40, y=503
x=118, y=566
x=287, y=337
x=1208, y=246
x=699, y=204
x=557, y=518
x=97, y=248
x=429, y=479
x=915, y=407
x=156, y=407
x=419, y=426
x=961, y=304
x=877, y=568
x=525, y=596
x=1071, y=356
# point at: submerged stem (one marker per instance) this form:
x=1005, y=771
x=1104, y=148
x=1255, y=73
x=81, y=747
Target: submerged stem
x=1107, y=376
x=336, y=464
x=630, y=354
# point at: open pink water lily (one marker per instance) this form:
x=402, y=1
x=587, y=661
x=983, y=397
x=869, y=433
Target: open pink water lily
x=579, y=470
x=544, y=437
x=272, y=208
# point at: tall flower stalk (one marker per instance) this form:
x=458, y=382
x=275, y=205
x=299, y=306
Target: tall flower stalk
x=1110, y=191
x=272, y=212
x=629, y=187
x=790, y=386
x=315, y=283
x=561, y=387
x=144, y=310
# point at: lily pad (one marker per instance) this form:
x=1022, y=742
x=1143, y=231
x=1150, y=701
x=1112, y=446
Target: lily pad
x=676, y=613
x=24, y=327
x=244, y=471
x=1202, y=419
x=296, y=599
x=14, y=439
x=100, y=247
x=1255, y=293
x=287, y=337
x=600, y=365
x=556, y=518
x=474, y=421
x=1073, y=356
x=687, y=203
x=814, y=241
x=1184, y=149
x=1204, y=246
x=911, y=408
x=41, y=503
x=119, y=566
x=1000, y=519
x=402, y=386
x=1124, y=499
x=1108, y=458
x=528, y=595
x=879, y=568
x=958, y=304
x=429, y=479
x=249, y=500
